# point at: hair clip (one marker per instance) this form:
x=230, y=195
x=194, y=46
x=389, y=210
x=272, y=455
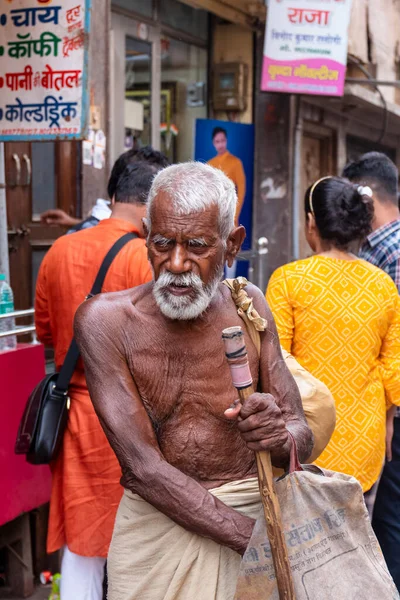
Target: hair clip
x=364, y=190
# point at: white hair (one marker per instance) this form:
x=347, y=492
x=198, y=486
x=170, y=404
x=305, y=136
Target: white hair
x=194, y=187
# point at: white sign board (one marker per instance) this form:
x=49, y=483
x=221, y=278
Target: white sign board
x=43, y=69
x=305, y=50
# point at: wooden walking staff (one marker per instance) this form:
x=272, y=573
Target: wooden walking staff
x=236, y=354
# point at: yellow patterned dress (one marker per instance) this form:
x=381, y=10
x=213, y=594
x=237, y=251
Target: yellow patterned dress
x=341, y=320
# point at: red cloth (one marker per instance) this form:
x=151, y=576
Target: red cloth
x=86, y=489
x=23, y=486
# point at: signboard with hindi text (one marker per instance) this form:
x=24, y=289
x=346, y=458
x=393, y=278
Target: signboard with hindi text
x=43, y=69
x=305, y=49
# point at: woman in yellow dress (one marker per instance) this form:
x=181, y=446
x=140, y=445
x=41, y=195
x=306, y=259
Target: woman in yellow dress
x=339, y=316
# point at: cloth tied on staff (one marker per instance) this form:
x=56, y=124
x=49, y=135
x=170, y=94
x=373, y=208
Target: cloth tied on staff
x=318, y=403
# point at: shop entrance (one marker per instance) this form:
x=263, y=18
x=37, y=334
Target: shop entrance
x=153, y=71
x=35, y=182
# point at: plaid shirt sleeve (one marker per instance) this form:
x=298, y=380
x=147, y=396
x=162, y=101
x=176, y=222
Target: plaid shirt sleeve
x=393, y=269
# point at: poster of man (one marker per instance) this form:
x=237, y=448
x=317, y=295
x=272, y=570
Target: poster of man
x=231, y=165
x=230, y=147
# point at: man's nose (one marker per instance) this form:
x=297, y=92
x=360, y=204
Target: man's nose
x=178, y=260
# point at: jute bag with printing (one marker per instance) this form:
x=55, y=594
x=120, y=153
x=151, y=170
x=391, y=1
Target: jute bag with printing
x=333, y=551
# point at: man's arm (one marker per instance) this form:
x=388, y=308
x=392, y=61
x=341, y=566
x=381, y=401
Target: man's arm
x=56, y=216
x=42, y=316
x=278, y=410
x=99, y=331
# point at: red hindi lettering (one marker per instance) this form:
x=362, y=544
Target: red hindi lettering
x=320, y=17
x=71, y=44
x=295, y=15
x=73, y=14
x=20, y=81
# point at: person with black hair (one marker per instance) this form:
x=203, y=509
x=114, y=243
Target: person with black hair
x=85, y=484
x=339, y=316
x=231, y=165
x=146, y=154
x=382, y=248
x=102, y=209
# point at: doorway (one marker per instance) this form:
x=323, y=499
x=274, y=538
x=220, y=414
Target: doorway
x=39, y=176
x=154, y=72
x=135, y=85
x=317, y=160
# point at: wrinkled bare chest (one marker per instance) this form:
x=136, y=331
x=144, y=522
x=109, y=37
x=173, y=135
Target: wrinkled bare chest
x=179, y=378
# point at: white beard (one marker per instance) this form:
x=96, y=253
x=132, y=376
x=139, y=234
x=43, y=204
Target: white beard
x=185, y=308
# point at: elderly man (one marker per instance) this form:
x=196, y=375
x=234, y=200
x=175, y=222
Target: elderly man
x=159, y=382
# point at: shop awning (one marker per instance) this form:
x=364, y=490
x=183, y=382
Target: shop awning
x=363, y=105
x=241, y=12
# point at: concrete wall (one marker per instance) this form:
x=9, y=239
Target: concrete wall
x=94, y=181
x=272, y=200
x=374, y=37
x=233, y=43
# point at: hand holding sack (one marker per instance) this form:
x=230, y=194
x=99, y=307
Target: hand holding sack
x=333, y=551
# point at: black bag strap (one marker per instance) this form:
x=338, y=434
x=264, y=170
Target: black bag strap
x=69, y=364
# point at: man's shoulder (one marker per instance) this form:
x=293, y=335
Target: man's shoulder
x=235, y=160
x=71, y=239
x=253, y=292
x=111, y=307
x=384, y=241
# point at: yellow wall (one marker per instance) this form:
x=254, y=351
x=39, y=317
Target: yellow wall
x=233, y=43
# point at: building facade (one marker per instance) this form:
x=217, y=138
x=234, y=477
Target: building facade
x=152, y=74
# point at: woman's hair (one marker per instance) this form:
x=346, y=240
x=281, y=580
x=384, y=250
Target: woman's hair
x=342, y=214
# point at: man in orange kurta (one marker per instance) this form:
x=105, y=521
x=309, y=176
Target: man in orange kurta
x=86, y=489
x=231, y=165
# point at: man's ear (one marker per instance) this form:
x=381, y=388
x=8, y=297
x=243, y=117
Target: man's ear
x=234, y=243
x=113, y=201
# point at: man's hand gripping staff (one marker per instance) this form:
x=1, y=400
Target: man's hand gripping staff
x=257, y=429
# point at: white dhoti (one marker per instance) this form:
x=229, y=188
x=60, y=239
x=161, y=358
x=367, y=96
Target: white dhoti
x=153, y=558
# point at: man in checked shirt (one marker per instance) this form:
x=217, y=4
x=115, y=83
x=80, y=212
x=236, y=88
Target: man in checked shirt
x=382, y=248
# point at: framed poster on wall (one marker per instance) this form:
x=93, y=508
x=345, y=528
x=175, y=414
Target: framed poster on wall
x=230, y=147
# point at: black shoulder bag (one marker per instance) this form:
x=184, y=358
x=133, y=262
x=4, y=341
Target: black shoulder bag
x=45, y=416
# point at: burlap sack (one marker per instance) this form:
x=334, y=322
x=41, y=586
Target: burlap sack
x=333, y=551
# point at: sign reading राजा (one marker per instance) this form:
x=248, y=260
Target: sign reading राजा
x=305, y=49
x=43, y=69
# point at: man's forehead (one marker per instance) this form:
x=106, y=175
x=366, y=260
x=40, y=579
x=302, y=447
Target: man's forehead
x=166, y=219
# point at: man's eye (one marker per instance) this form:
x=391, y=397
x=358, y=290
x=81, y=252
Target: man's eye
x=162, y=244
x=197, y=246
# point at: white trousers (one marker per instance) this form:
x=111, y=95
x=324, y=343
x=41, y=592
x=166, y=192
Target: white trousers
x=81, y=576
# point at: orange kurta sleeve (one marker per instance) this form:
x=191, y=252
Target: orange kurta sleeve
x=42, y=316
x=278, y=299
